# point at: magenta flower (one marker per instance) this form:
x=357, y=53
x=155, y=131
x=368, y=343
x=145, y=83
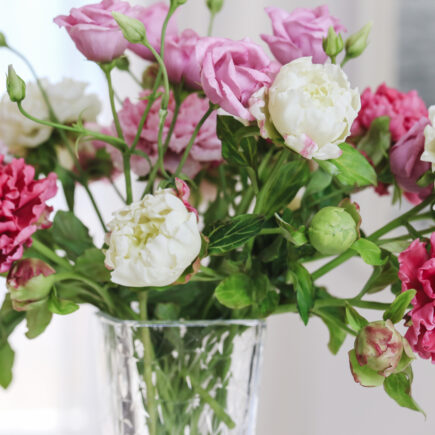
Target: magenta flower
x=417, y=271
x=300, y=33
x=23, y=208
x=94, y=31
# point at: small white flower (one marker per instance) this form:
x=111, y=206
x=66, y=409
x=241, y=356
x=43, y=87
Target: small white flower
x=69, y=101
x=312, y=106
x=152, y=241
x=429, y=144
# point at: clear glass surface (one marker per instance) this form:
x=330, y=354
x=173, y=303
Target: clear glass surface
x=181, y=378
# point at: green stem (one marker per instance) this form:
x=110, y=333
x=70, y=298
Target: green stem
x=127, y=175
x=107, y=73
x=148, y=370
x=117, y=191
x=172, y=126
x=329, y=317
x=210, y=23
x=94, y=204
x=51, y=255
x=136, y=80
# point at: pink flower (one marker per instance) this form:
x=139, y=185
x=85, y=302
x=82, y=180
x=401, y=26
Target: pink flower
x=94, y=31
x=231, y=71
x=152, y=17
x=22, y=207
x=183, y=192
x=300, y=33
x=405, y=160
x=417, y=271
x=180, y=59
x=404, y=110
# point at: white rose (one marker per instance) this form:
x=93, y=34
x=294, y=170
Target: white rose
x=152, y=242
x=312, y=106
x=429, y=143
x=69, y=101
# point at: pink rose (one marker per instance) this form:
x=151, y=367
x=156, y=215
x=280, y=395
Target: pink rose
x=404, y=110
x=231, y=71
x=152, y=17
x=22, y=207
x=94, y=31
x=300, y=33
x=405, y=160
x=417, y=271
x=180, y=59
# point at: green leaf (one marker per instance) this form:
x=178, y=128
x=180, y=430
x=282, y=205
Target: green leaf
x=377, y=140
x=61, y=306
x=353, y=209
x=364, y=375
x=234, y=291
x=38, y=320
x=9, y=319
x=396, y=247
x=296, y=236
x=226, y=129
x=268, y=305
x=230, y=235
x=304, y=288
x=91, y=265
x=369, y=252
x=70, y=234
x=281, y=187
x=381, y=277
x=167, y=311
x=398, y=387
x=7, y=357
x=397, y=309
x=319, y=181
x=336, y=336
x=354, y=319
x=352, y=168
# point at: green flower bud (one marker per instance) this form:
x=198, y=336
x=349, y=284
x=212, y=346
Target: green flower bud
x=332, y=230
x=215, y=6
x=15, y=86
x=149, y=76
x=132, y=29
x=29, y=282
x=3, y=42
x=122, y=63
x=380, y=347
x=333, y=44
x=357, y=43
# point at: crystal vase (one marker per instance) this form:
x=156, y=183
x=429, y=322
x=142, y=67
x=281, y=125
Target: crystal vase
x=181, y=378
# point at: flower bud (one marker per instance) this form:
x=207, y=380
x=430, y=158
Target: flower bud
x=379, y=346
x=122, y=63
x=3, y=42
x=149, y=76
x=332, y=231
x=15, y=86
x=215, y=6
x=333, y=44
x=357, y=43
x=132, y=29
x=29, y=282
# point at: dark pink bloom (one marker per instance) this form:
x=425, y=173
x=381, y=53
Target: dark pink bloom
x=183, y=192
x=152, y=17
x=180, y=59
x=300, y=33
x=23, y=208
x=417, y=271
x=231, y=71
x=404, y=110
x=94, y=31
x=405, y=161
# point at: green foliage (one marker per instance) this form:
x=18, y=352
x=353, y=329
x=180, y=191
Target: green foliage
x=397, y=309
x=91, y=265
x=167, y=311
x=7, y=357
x=369, y=252
x=364, y=375
x=354, y=319
x=61, y=306
x=381, y=277
x=377, y=141
x=234, y=291
x=304, y=290
x=296, y=236
x=37, y=320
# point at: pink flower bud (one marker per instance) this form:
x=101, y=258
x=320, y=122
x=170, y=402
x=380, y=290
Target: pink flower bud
x=183, y=192
x=379, y=346
x=29, y=282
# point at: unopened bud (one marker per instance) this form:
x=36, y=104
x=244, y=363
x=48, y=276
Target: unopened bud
x=333, y=44
x=15, y=86
x=3, y=42
x=357, y=43
x=132, y=29
x=122, y=63
x=215, y=6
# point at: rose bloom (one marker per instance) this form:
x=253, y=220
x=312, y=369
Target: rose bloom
x=180, y=59
x=312, y=106
x=417, y=271
x=406, y=165
x=69, y=100
x=429, y=135
x=152, y=242
x=231, y=71
x=152, y=17
x=94, y=30
x=23, y=208
x=404, y=110
x=300, y=33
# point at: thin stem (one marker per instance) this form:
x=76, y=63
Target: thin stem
x=117, y=191
x=136, y=80
x=94, y=204
x=51, y=255
x=329, y=317
x=148, y=370
x=172, y=126
x=107, y=73
x=210, y=23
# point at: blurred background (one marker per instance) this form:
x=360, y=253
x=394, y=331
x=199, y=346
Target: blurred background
x=305, y=390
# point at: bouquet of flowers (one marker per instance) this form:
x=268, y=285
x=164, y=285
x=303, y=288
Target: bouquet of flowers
x=247, y=165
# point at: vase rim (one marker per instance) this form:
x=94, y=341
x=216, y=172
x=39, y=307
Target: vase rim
x=107, y=318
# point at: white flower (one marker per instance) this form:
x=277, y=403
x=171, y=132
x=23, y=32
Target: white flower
x=69, y=101
x=429, y=143
x=312, y=106
x=152, y=241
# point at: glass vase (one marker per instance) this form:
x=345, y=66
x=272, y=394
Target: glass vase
x=181, y=378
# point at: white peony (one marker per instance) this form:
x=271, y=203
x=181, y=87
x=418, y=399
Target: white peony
x=69, y=101
x=429, y=143
x=311, y=105
x=152, y=242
